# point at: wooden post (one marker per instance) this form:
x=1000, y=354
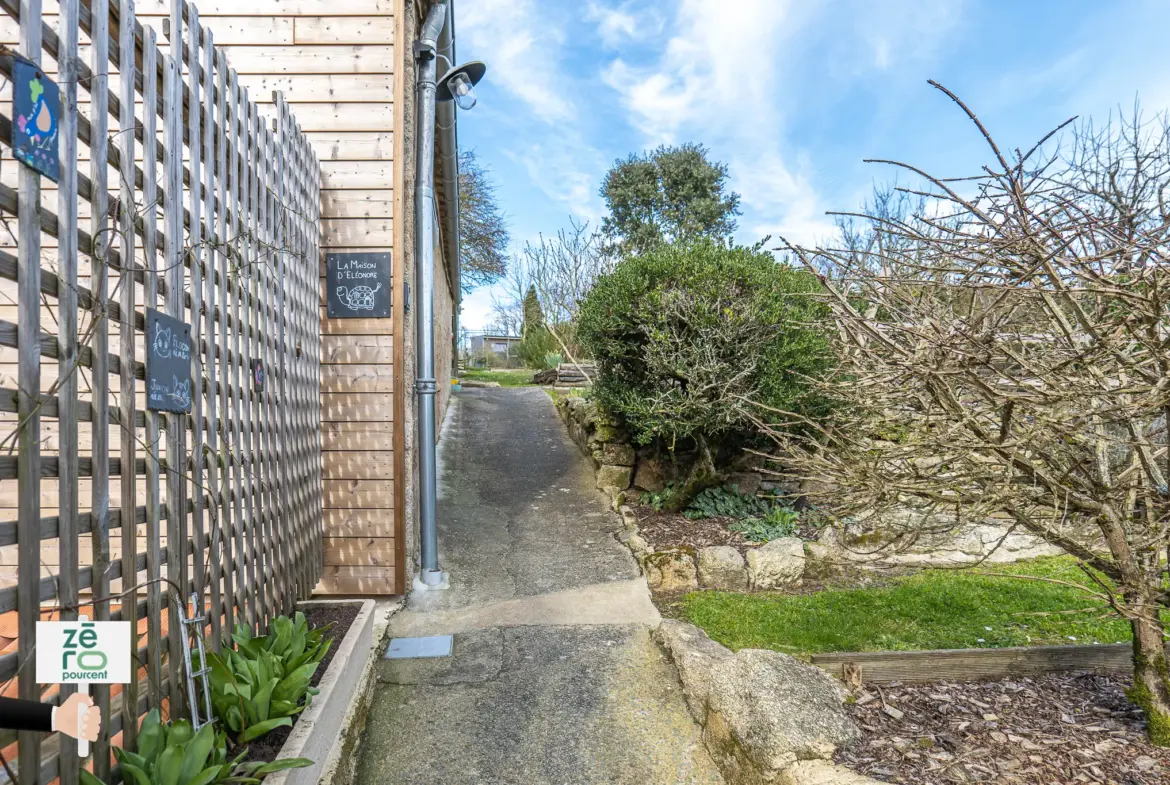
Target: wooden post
x=215, y=510
x=225, y=458
x=126, y=381
x=195, y=256
x=237, y=198
x=173, y=222
x=150, y=196
x=67, y=368
x=257, y=544
x=283, y=336
x=100, y=378
x=28, y=410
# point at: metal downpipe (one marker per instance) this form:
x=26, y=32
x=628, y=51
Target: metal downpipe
x=447, y=120
x=425, y=212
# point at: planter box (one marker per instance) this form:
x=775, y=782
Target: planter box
x=327, y=731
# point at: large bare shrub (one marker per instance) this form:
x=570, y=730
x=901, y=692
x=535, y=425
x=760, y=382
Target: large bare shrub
x=1004, y=348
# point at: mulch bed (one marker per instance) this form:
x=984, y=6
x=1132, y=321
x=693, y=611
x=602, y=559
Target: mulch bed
x=1049, y=730
x=664, y=530
x=341, y=616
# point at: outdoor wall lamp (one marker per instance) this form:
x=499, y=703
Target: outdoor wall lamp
x=458, y=84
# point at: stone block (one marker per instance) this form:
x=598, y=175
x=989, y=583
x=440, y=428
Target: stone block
x=614, y=477
x=613, y=454
x=778, y=564
x=671, y=570
x=721, y=567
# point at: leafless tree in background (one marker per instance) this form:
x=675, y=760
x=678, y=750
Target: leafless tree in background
x=562, y=268
x=484, y=236
x=1004, y=350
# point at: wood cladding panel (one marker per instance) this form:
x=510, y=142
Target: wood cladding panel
x=357, y=174
x=359, y=551
x=374, y=436
x=351, y=89
x=359, y=523
x=359, y=494
x=347, y=579
x=354, y=326
x=342, y=116
x=357, y=232
x=358, y=203
x=378, y=465
x=343, y=30
x=357, y=378
x=352, y=145
x=357, y=407
x=337, y=350
x=308, y=59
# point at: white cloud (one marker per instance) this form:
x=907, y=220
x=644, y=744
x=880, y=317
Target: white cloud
x=566, y=170
x=613, y=24
x=729, y=77
x=522, y=50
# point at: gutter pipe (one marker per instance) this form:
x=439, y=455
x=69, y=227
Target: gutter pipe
x=449, y=167
x=425, y=211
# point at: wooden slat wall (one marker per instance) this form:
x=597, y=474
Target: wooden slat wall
x=336, y=63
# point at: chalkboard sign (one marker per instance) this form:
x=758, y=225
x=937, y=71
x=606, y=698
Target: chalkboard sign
x=358, y=285
x=168, y=363
x=35, y=104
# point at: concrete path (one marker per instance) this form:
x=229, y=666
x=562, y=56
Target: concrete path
x=553, y=677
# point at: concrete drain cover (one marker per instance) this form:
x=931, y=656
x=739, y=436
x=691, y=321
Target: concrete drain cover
x=416, y=648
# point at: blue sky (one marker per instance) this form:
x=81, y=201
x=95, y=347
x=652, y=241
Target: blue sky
x=791, y=94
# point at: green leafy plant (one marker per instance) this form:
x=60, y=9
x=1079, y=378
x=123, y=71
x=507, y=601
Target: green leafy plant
x=552, y=360
x=657, y=499
x=174, y=754
x=290, y=639
x=778, y=522
x=265, y=681
x=719, y=502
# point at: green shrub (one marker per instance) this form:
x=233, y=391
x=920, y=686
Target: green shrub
x=685, y=336
x=719, y=502
x=552, y=360
x=264, y=682
x=174, y=754
x=536, y=345
x=777, y=522
x=657, y=499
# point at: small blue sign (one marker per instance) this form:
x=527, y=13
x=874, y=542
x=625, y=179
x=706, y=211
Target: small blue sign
x=35, y=106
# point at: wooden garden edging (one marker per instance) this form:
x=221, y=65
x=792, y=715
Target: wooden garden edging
x=881, y=667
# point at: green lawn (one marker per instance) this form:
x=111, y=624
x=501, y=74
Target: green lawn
x=935, y=609
x=507, y=377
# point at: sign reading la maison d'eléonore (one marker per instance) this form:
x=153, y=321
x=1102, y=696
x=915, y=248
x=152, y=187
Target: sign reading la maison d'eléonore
x=358, y=285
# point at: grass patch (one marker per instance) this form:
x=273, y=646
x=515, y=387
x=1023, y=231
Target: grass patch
x=934, y=609
x=506, y=377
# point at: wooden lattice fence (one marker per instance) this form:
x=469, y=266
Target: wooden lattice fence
x=174, y=194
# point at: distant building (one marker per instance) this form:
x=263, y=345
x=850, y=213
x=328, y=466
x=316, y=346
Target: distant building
x=499, y=344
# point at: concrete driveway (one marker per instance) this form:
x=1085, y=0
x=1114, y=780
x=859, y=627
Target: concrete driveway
x=553, y=677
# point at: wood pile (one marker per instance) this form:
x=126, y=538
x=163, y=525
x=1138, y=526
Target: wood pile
x=567, y=375
x=576, y=374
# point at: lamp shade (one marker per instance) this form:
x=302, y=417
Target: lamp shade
x=474, y=72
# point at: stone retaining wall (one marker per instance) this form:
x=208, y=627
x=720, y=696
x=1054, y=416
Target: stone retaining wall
x=766, y=717
x=785, y=562
x=602, y=440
